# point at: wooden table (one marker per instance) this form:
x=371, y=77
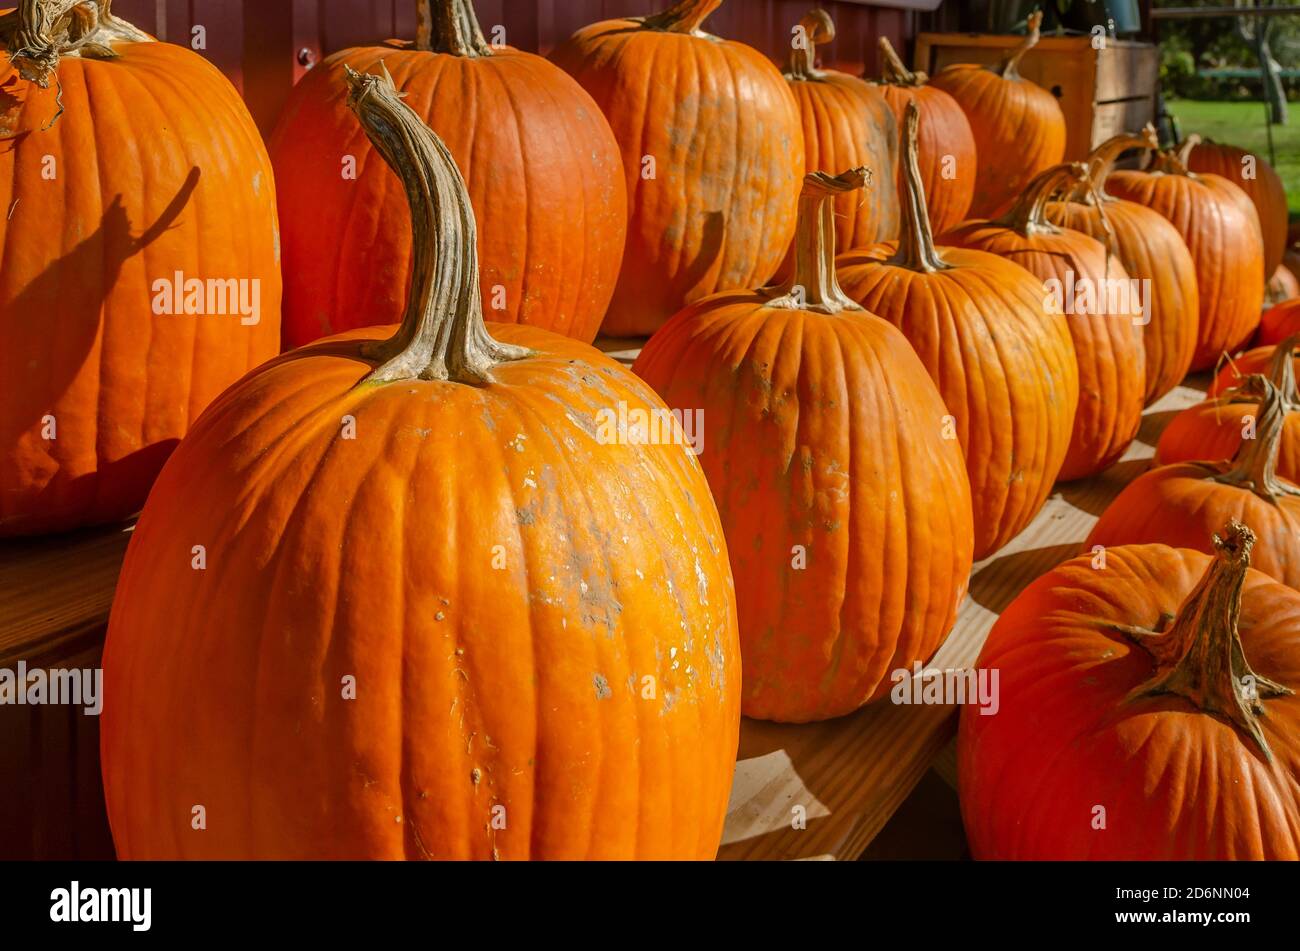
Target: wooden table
x=848, y=775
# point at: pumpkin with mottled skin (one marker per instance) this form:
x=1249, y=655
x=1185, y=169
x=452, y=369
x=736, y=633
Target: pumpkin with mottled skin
x=160, y=180
x=847, y=513
x=713, y=150
x=543, y=170
x=441, y=612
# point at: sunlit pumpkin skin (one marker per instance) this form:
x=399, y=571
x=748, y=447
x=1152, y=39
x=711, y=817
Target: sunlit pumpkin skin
x=152, y=168
x=1108, y=342
x=846, y=124
x=946, y=151
x=1093, y=713
x=1019, y=127
x=1151, y=251
x=542, y=166
x=1261, y=183
x=1222, y=234
x=713, y=149
x=539, y=621
x=1004, y=364
x=1278, y=323
x=1215, y=428
x=1178, y=504
x=846, y=510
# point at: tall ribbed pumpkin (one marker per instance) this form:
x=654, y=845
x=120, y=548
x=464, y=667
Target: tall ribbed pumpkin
x=414, y=598
x=1147, y=711
x=1179, y=504
x=141, y=271
x=713, y=149
x=846, y=124
x=1103, y=308
x=1018, y=125
x=1003, y=361
x=1222, y=233
x=1152, y=251
x=847, y=511
x=946, y=152
x=543, y=170
x=1258, y=179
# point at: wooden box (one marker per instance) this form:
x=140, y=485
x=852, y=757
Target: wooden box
x=1102, y=91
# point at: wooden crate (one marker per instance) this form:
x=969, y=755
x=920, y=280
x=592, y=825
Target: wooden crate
x=1102, y=91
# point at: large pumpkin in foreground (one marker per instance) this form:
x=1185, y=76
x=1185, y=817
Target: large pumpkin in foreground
x=1147, y=712
x=1003, y=361
x=542, y=167
x=713, y=150
x=414, y=598
x=141, y=271
x=847, y=511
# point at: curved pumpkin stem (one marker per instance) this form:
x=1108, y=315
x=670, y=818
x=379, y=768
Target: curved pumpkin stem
x=894, y=72
x=39, y=32
x=449, y=26
x=1200, y=656
x=814, y=285
x=1028, y=216
x=442, y=336
x=818, y=28
x=685, y=16
x=1101, y=161
x=916, y=250
x=1174, y=161
x=1011, y=68
x=1281, y=371
x=1254, y=467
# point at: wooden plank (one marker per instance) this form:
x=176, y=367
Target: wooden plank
x=1126, y=71
x=1113, y=118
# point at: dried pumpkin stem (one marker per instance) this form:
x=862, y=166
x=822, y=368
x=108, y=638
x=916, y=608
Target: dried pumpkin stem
x=1254, y=467
x=449, y=26
x=40, y=32
x=895, y=72
x=1200, y=656
x=1101, y=161
x=916, y=250
x=686, y=16
x=814, y=285
x=1174, y=161
x=1028, y=216
x=442, y=336
x=1281, y=371
x=818, y=28
x=1011, y=68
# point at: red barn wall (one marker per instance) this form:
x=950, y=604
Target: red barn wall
x=257, y=43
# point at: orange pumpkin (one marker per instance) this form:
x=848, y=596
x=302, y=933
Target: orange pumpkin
x=141, y=269
x=828, y=449
x=1234, y=370
x=1282, y=286
x=946, y=151
x=1279, y=322
x=1012, y=407
x=543, y=170
x=1103, y=309
x=1174, y=504
x=1157, y=692
x=444, y=611
x=1215, y=428
x=713, y=149
x=1257, y=179
x=1019, y=127
x=846, y=124
x=1152, y=251
x=1222, y=232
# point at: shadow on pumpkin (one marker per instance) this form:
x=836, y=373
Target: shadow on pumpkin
x=1000, y=581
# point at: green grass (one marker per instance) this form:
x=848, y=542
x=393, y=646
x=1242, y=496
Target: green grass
x=1242, y=124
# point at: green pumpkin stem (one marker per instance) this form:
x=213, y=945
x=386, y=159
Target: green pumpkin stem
x=442, y=335
x=894, y=72
x=685, y=16
x=814, y=285
x=449, y=26
x=1011, y=68
x=916, y=250
x=39, y=32
x=818, y=28
x=1200, y=657
x=1028, y=216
